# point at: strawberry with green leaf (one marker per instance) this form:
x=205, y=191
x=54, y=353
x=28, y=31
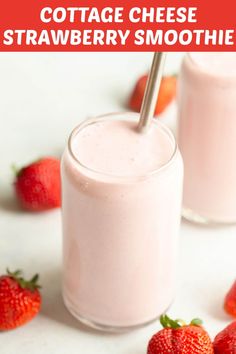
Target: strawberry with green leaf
x=178, y=338
x=20, y=299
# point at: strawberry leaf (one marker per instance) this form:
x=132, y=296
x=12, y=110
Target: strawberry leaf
x=196, y=322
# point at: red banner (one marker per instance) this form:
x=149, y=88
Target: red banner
x=189, y=25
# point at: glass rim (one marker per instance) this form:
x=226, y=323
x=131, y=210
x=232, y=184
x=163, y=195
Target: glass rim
x=213, y=75
x=104, y=117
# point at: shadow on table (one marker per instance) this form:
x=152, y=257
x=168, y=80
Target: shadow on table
x=9, y=203
x=215, y=306
x=53, y=306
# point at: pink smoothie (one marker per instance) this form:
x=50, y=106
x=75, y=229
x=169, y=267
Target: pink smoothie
x=121, y=213
x=207, y=135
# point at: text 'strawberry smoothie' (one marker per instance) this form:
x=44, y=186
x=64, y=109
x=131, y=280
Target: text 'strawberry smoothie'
x=121, y=212
x=207, y=136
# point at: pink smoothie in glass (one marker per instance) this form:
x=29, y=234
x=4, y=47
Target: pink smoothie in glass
x=207, y=135
x=121, y=212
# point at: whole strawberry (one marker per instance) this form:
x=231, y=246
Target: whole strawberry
x=178, y=338
x=167, y=93
x=38, y=185
x=230, y=301
x=225, y=341
x=20, y=300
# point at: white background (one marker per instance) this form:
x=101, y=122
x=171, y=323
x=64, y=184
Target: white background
x=42, y=97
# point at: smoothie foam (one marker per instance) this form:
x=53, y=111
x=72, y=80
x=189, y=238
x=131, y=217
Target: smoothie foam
x=115, y=147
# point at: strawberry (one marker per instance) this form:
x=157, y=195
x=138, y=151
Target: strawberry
x=178, y=338
x=166, y=94
x=38, y=185
x=20, y=300
x=230, y=301
x=225, y=341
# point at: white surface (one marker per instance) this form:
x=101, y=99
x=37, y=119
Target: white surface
x=43, y=96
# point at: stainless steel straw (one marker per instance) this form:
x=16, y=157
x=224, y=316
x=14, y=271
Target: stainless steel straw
x=151, y=91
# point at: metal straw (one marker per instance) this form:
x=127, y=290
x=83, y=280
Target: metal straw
x=151, y=91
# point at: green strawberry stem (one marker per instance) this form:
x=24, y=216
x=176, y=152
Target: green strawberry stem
x=31, y=284
x=167, y=322
x=16, y=171
x=196, y=322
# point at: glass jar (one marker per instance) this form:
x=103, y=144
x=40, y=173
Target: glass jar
x=207, y=136
x=120, y=236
